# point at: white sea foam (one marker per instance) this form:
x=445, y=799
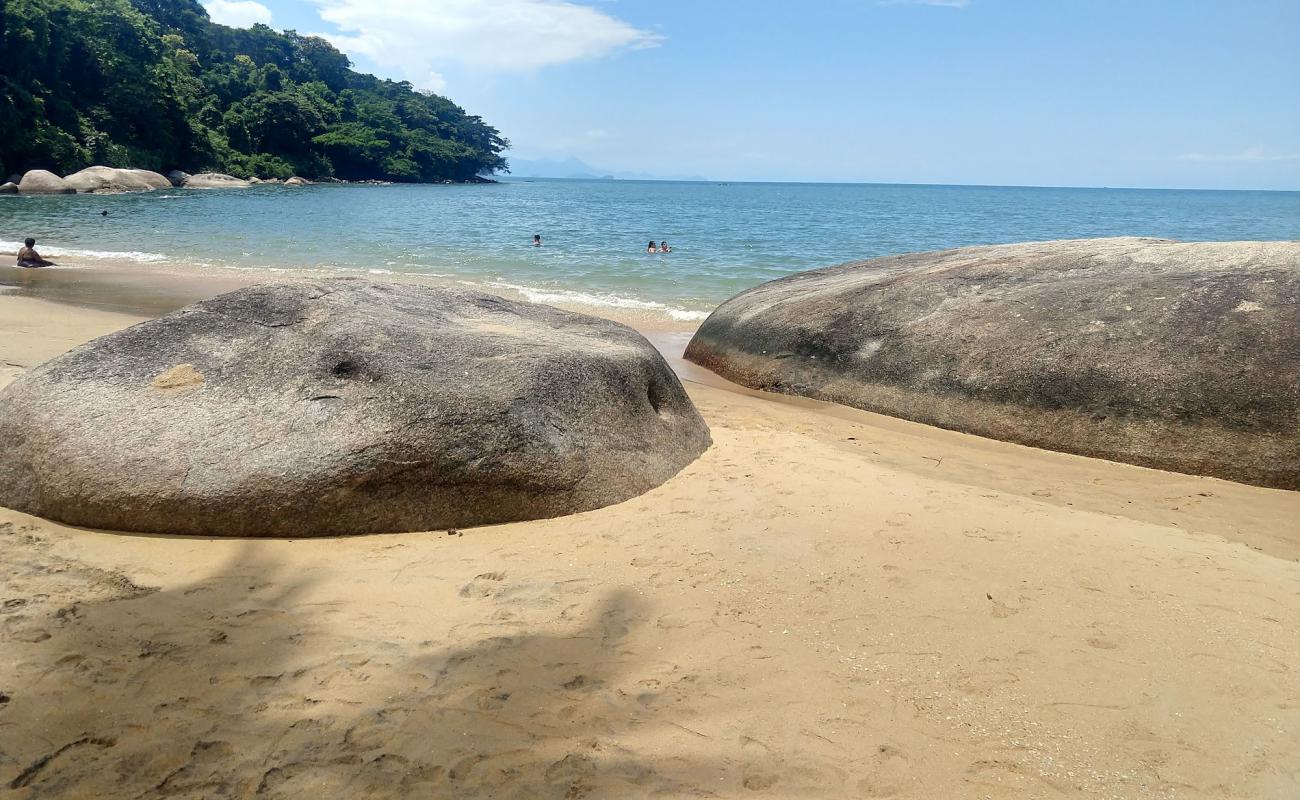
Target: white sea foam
x=52, y=251
x=535, y=295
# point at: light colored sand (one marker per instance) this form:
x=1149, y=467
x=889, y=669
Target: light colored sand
x=827, y=604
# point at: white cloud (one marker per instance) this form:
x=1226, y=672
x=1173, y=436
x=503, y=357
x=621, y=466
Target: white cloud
x=1250, y=154
x=418, y=39
x=237, y=13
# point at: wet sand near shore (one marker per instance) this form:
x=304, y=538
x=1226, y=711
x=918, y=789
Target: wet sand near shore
x=828, y=603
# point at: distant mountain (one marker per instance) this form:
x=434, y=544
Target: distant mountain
x=552, y=168
x=573, y=168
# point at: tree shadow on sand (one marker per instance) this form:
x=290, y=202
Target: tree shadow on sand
x=237, y=686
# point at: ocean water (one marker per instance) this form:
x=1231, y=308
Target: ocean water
x=726, y=237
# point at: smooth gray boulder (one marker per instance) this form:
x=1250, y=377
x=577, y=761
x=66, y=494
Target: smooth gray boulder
x=8, y=188
x=343, y=407
x=112, y=179
x=40, y=181
x=177, y=178
x=214, y=180
x=1180, y=356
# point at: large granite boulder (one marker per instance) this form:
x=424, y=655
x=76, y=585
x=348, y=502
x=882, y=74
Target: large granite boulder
x=340, y=407
x=40, y=181
x=1181, y=356
x=111, y=179
x=8, y=188
x=296, y=181
x=214, y=180
x=177, y=177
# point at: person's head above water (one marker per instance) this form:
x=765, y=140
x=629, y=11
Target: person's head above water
x=537, y=238
x=651, y=246
x=30, y=242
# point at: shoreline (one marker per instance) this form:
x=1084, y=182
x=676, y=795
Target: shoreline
x=91, y=300
x=159, y=287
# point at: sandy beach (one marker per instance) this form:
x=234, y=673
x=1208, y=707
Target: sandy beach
x=828, y=603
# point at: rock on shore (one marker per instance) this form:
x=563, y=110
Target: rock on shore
x=340, y=407
x=8, y=188
x=110, y=179
x=1180, y=356
x=40, y=181
x=214, y=180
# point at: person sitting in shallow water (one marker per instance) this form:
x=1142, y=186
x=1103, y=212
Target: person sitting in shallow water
x=28, y=257
x=650, y=248
x=664, y=248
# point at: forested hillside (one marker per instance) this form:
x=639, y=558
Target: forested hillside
x=155, y=84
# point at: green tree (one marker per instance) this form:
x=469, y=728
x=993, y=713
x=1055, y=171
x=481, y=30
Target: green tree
x=154, y=83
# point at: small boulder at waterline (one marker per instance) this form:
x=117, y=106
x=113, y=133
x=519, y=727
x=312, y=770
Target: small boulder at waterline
x=111, y=179
x=8, y=188
x=340, y=407
x=40, y=181
x=1180, y=356
x=214, y=180
x=296, y=181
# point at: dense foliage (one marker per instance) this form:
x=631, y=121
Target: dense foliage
x=156, y=84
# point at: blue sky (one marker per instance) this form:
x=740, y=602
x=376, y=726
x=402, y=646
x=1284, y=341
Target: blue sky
x=1162, y=93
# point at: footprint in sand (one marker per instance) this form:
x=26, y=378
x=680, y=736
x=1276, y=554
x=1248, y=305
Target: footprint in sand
x=890, y=771
x=484, y=585
x=1001, y=610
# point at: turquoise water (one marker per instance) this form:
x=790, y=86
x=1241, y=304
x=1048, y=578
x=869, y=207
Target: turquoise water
x=726, y=236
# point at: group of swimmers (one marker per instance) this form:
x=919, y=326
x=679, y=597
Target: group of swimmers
x=662, y=247
x=28, y=257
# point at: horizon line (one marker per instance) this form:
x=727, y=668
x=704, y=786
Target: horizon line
x=509, y=176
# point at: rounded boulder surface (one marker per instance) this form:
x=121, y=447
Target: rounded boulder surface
x=8, y=188
x=1179, y=356
x=40, y=181
x=112, y=179
x=343, y=407
x=214, y=180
